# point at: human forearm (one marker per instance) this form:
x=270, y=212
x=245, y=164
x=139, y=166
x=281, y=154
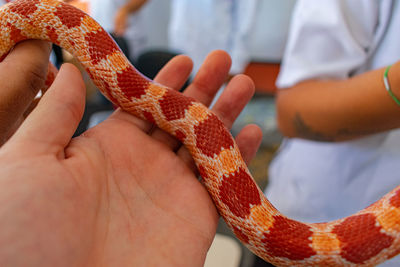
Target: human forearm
x=336, y=110
x=121, y=17
x=132, y=6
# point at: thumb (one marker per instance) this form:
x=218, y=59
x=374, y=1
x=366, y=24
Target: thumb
x=52, y=123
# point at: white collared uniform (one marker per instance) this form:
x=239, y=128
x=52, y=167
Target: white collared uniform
x=198, y=27
x=316, y=181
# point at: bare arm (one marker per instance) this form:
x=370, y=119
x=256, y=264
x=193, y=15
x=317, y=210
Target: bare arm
x=121, y=17
x=132, y=6
x=337, y=110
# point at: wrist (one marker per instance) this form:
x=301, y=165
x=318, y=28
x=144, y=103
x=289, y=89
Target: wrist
x=394, y=80
x=126, y=9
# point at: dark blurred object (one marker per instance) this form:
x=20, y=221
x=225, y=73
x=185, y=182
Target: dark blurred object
x=151, y=62
x=59, y=56
x=258, y=262
x=123, y=44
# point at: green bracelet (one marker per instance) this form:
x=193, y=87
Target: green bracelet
x=387, y=85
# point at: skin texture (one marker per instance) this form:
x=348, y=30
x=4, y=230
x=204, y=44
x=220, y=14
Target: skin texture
x=337, y=110
x=16, y=94
x=122, y=194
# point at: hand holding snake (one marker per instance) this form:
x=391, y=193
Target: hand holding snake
x=73, y=202
x=366, y=238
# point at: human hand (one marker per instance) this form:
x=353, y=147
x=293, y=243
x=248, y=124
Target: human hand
x=22, y=75
x=123, y=193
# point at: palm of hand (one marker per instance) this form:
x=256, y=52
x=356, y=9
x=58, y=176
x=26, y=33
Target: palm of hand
x=141, y=209
x=112, y=210
x=120, y=194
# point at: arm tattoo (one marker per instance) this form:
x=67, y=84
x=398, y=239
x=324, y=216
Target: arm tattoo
x=305, y=131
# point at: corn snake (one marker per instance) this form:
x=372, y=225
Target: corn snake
x=366, y=238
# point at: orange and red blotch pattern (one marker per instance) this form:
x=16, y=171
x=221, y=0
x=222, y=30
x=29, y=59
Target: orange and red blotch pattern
x=232, y=194
x=24, y=8
x=289, y=239
x=203, y=172
x=131, y=83
x=69, y=16
x=107, y=92
x=100, y=45
x=239, y=234
x=395, y=200
x=212, y=136
x=180, y=135
x=149, y=117
x=361, y=238
x=173, y=106
x=15, y=34
x=51, y=32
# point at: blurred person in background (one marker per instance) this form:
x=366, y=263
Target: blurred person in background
x=198, y=27
x=342, y=149
x=122, y=18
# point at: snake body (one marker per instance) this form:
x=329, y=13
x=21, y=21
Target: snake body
x=366, y=238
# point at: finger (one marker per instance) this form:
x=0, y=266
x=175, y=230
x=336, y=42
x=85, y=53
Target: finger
x=233, y=99
x=210, y=77
x=176, y=72
x=22, y=75
x=249, y=140
x=52, y=123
